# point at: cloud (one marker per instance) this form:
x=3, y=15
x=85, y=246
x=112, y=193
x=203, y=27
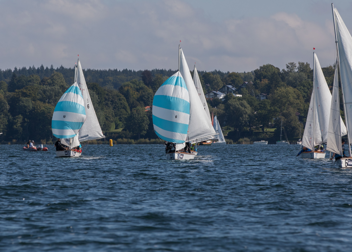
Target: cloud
x=145, y=35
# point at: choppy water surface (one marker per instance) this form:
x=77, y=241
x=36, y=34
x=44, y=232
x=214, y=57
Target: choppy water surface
x=128, y=197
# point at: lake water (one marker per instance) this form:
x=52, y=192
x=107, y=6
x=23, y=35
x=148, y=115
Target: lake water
x=129, y=198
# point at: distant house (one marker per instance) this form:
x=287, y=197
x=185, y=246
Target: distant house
x=147, y=108
x=227, y=89
x=237, y=95
x=262, y=96
x=215, y=94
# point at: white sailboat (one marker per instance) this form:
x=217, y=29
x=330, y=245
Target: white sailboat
x=317, y=124
x=343, y=42
x=178, y=114
x=74, y=119
x=219, y=134
x=282, y=141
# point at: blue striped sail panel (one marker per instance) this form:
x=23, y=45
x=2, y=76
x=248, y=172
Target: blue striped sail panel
x=69, y=114
x=171, y=109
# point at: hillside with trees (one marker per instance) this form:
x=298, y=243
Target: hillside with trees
x=28, y=97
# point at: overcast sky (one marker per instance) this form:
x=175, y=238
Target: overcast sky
x=226, y=35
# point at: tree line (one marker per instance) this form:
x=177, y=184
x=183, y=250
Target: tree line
x=28, y=97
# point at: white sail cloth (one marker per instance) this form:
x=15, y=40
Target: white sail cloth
x=91, y=129
x=217, y=128
x=200, y=128
x=316, y=129
x=200, y=91
x=344, y=44
x=336, y=126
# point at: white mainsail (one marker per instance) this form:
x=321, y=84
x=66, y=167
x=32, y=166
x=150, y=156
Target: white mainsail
x=316, y=130
x=200, y=128
x=344, y=54
x=220, y=135
x=91, y=129
x=336, y=126
x=200, y=91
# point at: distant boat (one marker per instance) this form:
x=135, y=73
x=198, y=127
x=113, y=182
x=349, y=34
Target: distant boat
x=74, y=119
x=343, y=41
x=299, y=142
x=219, y=134
x=178, y=114
x=282, y=141
x=260, y=142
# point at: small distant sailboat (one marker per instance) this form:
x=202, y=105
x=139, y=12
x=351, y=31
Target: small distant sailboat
x=343, y=42
x=281, y=141
x=219, y=134
x=178, y=114
x=317, y=124
x=74, y=119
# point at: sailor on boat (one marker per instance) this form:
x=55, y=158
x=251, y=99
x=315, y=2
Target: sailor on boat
x=338, y=156
x=59, y=146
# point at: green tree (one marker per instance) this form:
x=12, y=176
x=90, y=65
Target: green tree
x=137, y=122
x=233, y=79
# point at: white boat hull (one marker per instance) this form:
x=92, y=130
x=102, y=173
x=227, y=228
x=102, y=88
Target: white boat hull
x=68, y=153
x=181, y=155
x=313, y=155
x=346, y=162
x=260, y=142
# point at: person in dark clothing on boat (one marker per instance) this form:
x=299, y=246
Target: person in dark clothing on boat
x=170, y=147
x=337, y=156
x=304, y=149
x=59, y=146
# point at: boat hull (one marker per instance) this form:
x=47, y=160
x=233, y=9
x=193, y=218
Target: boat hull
x=181, y=155
x=68, y=153
x=346, y=162
x=313, y=155
x=219, y=142
x=209, y=142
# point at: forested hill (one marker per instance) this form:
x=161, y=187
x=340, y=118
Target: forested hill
x=28, y=97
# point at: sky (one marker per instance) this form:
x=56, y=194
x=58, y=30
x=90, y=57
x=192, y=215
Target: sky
x=226, y=35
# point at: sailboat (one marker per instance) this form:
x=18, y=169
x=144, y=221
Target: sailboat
x=200, y=91
x=317, y=124
x=217, y=128
x=178, y=114
x=343, y=42
x=282, y=141
x=74, y=119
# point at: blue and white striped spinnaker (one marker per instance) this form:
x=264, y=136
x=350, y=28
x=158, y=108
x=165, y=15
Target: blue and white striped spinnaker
x=171, y=110
x=69, y=114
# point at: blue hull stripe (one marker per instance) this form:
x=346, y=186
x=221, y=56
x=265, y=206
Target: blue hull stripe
x=70, y=107
x=74, y=89
x=170, y=126
x=172, y=103
x=175, y=81
x=169, y=139
x=62, y=125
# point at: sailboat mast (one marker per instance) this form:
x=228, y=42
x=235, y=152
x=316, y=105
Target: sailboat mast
x=338, y=65
x=281, y=130
x=313, y=93
x=179, y=53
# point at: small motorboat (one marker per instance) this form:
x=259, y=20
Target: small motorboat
x=30, y=148
x=39, y=148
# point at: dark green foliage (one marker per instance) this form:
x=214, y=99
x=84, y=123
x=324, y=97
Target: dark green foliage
x=28, y=97
x=137, y=122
